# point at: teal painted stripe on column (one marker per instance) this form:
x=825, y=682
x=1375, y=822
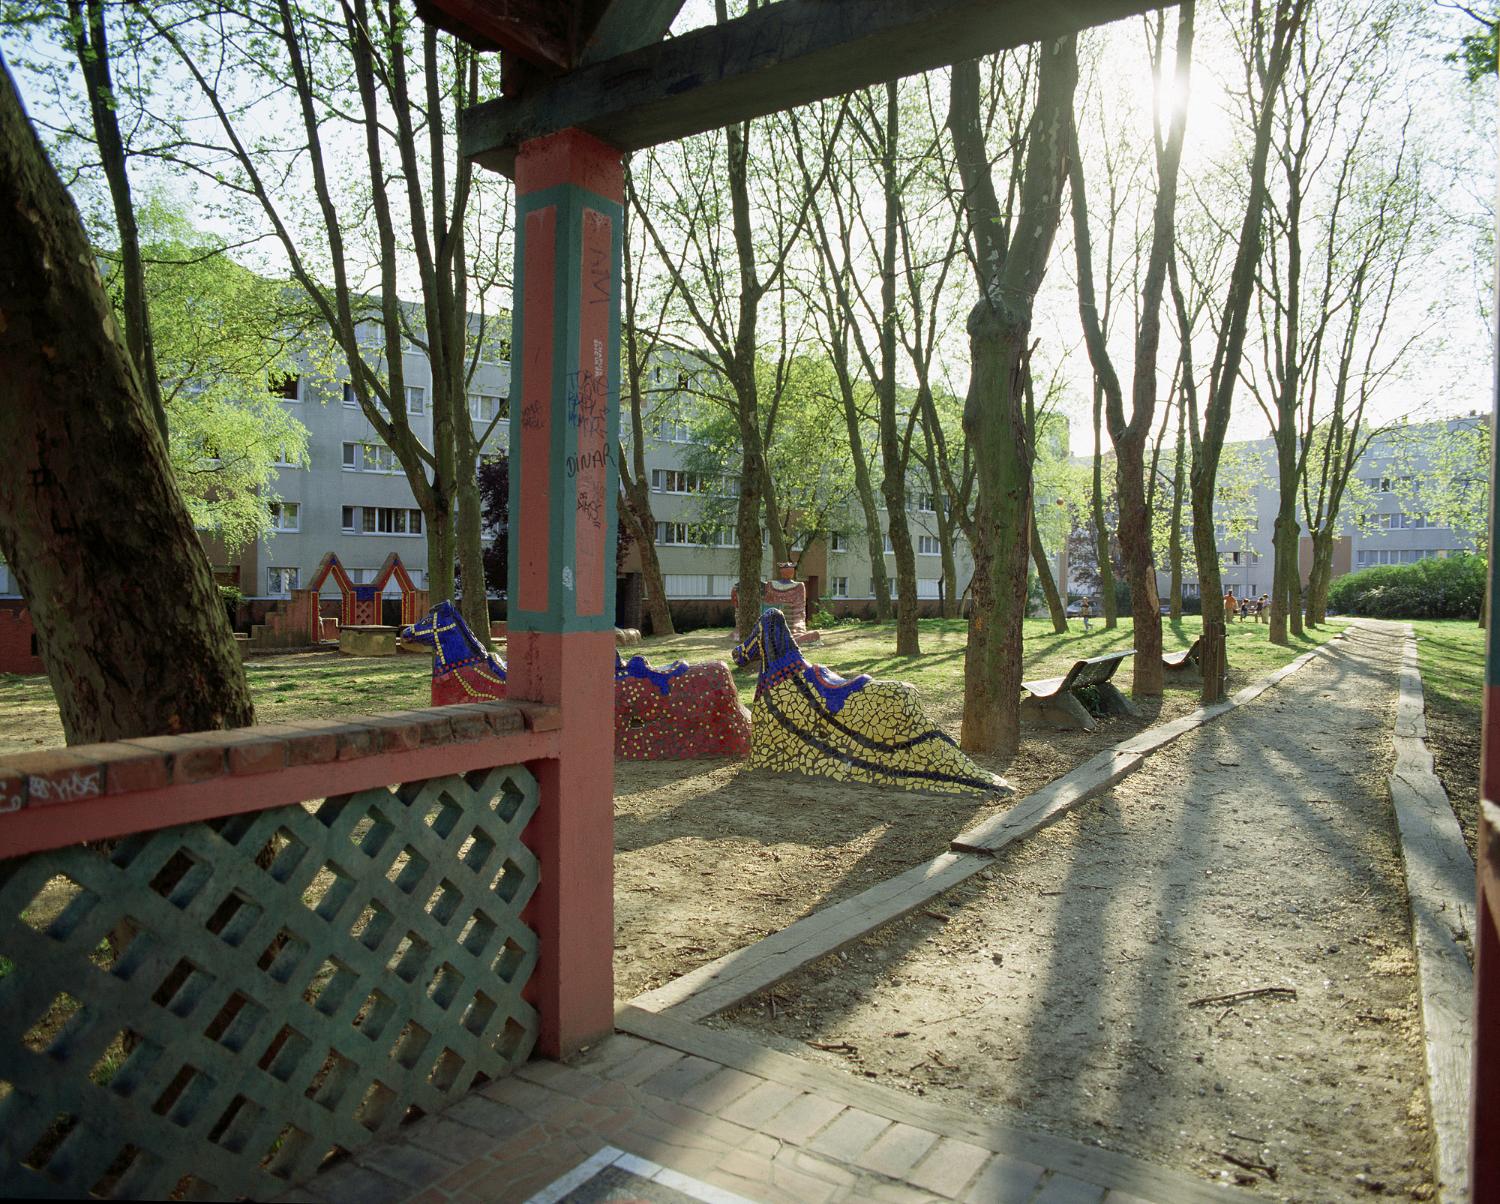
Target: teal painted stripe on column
x=560, y=614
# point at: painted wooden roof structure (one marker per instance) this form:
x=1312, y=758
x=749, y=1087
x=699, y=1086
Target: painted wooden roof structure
x=607, y=67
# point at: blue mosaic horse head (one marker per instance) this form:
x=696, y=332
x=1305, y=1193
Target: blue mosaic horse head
x=772, y=645
x=454, y=645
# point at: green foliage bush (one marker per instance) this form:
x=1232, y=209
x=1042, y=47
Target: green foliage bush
x=1452, y=588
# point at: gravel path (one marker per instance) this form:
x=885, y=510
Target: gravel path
x=1061, y=988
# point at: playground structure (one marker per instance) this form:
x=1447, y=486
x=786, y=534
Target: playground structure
x=360, y=604
x=808, y=719
x=681, y=712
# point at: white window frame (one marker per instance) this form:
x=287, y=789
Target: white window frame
x=279, y=516
x=276, y=580
x=929, y=545
x=416, y=399
x=351, y=398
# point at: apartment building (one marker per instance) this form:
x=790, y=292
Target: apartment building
x=1381, y=522
x=352, y=497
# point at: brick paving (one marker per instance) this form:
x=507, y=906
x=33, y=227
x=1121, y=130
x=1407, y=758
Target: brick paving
x=736, y=1119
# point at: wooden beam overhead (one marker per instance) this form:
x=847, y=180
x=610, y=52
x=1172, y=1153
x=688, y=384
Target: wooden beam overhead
x=628, y=25
x=777, y=57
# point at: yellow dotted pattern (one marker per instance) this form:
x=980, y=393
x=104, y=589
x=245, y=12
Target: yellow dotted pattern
x=880, y=736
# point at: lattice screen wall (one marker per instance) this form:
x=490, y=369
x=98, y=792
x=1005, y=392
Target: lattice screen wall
x=215, y=1008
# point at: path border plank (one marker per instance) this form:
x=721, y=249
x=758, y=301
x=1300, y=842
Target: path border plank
x=1440, y=887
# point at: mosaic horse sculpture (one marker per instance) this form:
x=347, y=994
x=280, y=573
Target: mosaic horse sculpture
x=463, y=670
x=679, y=712
x=808, y=719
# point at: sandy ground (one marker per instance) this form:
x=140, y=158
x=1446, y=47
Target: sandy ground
x=1062, y=988
x=710, y=856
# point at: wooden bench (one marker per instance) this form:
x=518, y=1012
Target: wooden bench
x=1057, y=703
x=1185, y=661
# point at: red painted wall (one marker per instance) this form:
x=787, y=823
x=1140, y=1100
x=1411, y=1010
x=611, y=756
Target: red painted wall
x=17, y=639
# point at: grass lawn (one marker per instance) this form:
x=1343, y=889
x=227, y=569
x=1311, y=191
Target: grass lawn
x=1451, y=654
x=328, y=685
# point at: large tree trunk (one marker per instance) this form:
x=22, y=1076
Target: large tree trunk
x=1284, y=544
x=1009, y=274
x=1107, y=600
x=642, y=528
x=468, y=529
x=1049, y=583
x=747, y=518
x=992, y=662
x=1212, y=657
x=1174, y=540
x=1140, y=567
x=127, y=616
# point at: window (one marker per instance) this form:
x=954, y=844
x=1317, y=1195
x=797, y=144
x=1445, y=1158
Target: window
x=926, y=503
x=929, y=587
x=696, y=535
x=289, y=388
x=838, y=587
x=286, y=516
x=838, y=542
x=677, y=480
x=370, y=457
x=670, y=431
x=351, y=398
x=416, y=399
x=927, y=545
x=484, y=407
x=384, y=520
x=281, y=460
x=348, y=518
x=282, y=581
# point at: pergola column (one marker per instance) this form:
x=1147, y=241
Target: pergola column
x=565, y=400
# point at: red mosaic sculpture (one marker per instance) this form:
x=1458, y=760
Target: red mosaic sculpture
x=681, y=712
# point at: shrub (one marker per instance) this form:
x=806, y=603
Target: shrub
x=1451, y=588
x=231, y=597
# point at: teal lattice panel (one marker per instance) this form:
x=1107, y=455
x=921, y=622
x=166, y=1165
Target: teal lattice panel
x=213, y=1009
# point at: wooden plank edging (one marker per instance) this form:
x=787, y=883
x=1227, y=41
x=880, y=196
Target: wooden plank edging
x=1440, y=889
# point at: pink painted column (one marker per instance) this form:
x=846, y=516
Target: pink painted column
x=564, y=480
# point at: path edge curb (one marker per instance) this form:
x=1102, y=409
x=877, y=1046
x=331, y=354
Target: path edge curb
x=1440, y=891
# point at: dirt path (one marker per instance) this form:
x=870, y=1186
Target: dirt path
x=1058, y=989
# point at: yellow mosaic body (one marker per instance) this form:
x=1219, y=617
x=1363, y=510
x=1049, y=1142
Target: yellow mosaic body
x=880, y=736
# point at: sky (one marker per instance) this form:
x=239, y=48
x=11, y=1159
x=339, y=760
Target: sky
x=1444, y=313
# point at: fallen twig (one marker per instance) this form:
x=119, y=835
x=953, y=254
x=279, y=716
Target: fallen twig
x=834, y=1046
x=1249, y=1164
x=1236, y=996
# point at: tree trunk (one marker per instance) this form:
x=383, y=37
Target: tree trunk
x=1135, y=547
x=1284, y=545
x=992, y=664
x=1319, y=579
x=128, y=619
x=1210, y=585
x=1174, y=540
x=880, y=584
x=1009, y=274
x=948, y=587
x=1111, y=607
x=467, y=530
x=747, y=519
x=893, y=452
x=92, y=48
x=1049, y=583
x=641, y=521
x=781, y=550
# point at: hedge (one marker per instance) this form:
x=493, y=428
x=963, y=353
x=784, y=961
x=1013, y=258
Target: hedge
x=1449, y=588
